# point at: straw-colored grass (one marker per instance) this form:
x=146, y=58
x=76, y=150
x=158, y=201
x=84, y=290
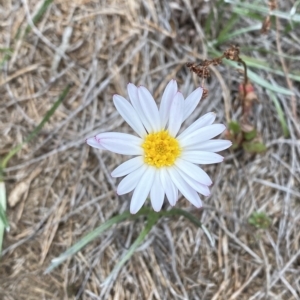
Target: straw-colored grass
x=98, y=47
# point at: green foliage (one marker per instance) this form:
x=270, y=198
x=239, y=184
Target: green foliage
x=254, y=147
x=248, y=136
x=280, y=114
x=14, y=151
x=3, y=219
x=248, y=140
x=33, y=134
x=259, y=220
x=152, y=219
x=234, y=127
x=36, y=18
x=7, y=54
x=39, y=14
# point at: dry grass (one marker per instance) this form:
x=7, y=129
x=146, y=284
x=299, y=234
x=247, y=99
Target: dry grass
x=70, y=190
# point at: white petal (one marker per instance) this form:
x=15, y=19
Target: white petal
x=211, y=146
x=121, y=143
x=122, y=147
x=196, y=185
x=186, y=190
x=166, y=101
x=128, y=166
x=157, y=192
x=94, y=143
x=119, y=136
x=129, y=182
x=193, y=170
x=205, y=120
x=169, y=187
x=201, y=157
x=149, y=107
x=142, y=190
x=176, y=114
x=134, y=98
x=201, y=135
x=129, y=114
x=191, y=102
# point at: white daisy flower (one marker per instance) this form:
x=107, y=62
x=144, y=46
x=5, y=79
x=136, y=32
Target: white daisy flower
x=166, y=162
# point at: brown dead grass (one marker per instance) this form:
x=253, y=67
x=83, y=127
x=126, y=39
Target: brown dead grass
x=70, y=190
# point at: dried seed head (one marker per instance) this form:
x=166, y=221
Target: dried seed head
x=232, y=53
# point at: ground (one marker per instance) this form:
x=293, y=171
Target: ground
x=59, y=188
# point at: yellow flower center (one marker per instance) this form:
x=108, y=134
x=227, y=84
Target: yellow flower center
x=161, y=149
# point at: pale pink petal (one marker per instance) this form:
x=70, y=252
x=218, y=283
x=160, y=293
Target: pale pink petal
x=205, y=120
x=193, y=171
x=94, y=143
x=201, y=157
x=176, y=114
x=191, y=102
x=142, y=190
x=129, y=115
x=201, y=135
x=129, y=182
x=157, y=192
x=128, y=166
x=166, y=101
x=134, y=98
x=189, y=193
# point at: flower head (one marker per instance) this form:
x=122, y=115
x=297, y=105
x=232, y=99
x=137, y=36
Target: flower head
x=166, y=162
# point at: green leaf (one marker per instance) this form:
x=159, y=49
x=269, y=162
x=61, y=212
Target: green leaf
x=39, y=14
x=234, y=127
x=238, y=32
x=260, y=220
x=234, y=146
x=253, y=76
x=263, y=9
x=248, y=136
x=153, y=218
x=229, y=24
x=3, y=220
x=259, y=64
x=246, y=13
x=5, y=58
x=85, y=240
x=280, y=113
x=46, y=118
x=254, y=147
x=180, y=212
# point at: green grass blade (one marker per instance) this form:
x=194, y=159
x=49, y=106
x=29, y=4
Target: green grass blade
x=3, y=220
x=280, y=113
x=266, y=51
x=180, y=212
x=153, y=217
x=37, y=129
x=264, y=83
x=253, y=76
x=229, y=24
x=87, y=239
x=259, y=64
x=7, y=54
x=238, y=32
x=39, y=14
x=247, y=5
